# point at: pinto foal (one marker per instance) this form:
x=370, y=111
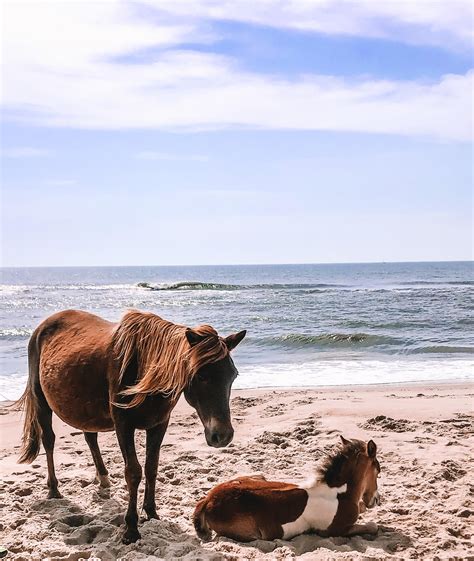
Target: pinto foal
x=251, y=508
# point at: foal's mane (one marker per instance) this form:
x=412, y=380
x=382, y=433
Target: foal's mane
x=165, y=359
x=330, y=469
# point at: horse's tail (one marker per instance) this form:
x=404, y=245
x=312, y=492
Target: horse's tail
x=29, y=403
x=199, y=520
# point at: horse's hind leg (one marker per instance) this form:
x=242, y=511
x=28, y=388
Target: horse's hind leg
x=101, y=471
x=45, y=419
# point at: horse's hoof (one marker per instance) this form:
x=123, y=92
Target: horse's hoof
x=371, y=528
x=131, y=536
x=103, y=481
x=149, y=516
x=103, y=492
x=54, y=495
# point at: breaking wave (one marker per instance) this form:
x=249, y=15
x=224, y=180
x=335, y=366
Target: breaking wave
x=196, y=285
x=392, y=345
x=298, y=340
x=11, y=333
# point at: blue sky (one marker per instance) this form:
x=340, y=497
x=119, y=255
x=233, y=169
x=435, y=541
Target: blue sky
x=163, y=133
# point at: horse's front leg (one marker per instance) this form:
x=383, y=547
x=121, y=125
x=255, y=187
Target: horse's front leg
x=367, y=528
x=133, y=475
x=154, y=438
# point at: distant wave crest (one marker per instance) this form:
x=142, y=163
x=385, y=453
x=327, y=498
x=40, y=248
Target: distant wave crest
x=189, y=285
x=435, y=283
x=309, y=288
x=197, y=285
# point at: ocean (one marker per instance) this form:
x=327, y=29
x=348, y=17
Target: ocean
x=308, y=325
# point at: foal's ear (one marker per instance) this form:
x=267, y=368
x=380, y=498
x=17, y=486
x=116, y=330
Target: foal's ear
x=371, y=449
x=344, y=440
x=193, y=337
x=233, y=340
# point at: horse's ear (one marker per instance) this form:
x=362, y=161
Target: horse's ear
x=371, y=449
x=344, y=440
x=233, y=340
x=193, y=337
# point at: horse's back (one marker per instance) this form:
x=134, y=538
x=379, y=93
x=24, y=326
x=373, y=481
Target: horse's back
x=74, y=357
x=249, y=508
x=73, y=338
x=71, y=319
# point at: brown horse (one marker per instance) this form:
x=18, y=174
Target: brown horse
x=102, y=376
x=251, y=508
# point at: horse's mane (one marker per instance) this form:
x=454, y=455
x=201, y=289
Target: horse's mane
x=330, y=469
x=166, y=360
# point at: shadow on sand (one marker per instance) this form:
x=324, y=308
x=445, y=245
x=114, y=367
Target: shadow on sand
x=99, y=535
x=388, y=540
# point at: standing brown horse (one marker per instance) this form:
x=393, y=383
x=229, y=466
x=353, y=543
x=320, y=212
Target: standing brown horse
x=101, y=376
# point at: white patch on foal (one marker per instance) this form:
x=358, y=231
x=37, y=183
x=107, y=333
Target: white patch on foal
x=319, y=512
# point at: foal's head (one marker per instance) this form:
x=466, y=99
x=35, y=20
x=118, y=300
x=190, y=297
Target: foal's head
x=355, y=464
x=364, y=468
x=209, y=389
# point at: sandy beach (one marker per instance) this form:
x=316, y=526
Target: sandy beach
x=424, y=435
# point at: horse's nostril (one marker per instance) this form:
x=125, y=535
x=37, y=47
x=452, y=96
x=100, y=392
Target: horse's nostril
x=215, y=438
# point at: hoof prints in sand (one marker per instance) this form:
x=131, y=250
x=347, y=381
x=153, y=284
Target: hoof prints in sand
x=461, y=425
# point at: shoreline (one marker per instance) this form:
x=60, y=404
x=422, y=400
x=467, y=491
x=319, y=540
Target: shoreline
x=466, y=381
x=344, y=387
x=423, y=432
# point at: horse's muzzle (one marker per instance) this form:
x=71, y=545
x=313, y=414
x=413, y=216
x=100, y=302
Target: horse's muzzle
x=375, y=501
x=219, y=438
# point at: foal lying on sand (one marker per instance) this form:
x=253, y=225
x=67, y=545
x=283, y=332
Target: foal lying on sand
x=251, y=508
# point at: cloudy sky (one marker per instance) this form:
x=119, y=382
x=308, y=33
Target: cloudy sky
x=201, y=131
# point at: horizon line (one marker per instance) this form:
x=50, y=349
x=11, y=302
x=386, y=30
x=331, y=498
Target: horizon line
x=237, y=264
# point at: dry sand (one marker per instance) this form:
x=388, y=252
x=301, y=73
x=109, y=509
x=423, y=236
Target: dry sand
x=425, y=442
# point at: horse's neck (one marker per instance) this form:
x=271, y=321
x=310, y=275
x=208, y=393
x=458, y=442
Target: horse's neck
x=319, y=488
x=352, y=489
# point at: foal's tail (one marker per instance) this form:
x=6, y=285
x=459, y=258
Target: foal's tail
x=199, y=520
x=29, y=403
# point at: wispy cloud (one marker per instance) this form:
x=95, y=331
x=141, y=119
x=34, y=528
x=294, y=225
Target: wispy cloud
x=188, y=90
x=24, y=152
x=153, y=155
x=425, y=22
